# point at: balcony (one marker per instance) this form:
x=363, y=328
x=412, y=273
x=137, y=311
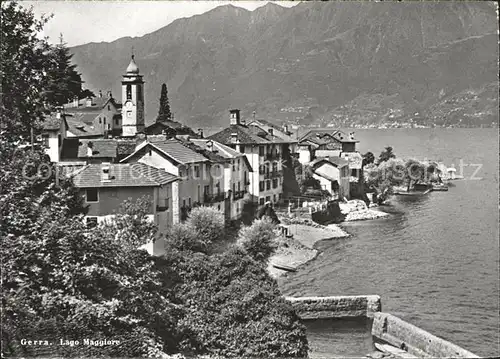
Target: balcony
x=273, y=156
x=273, y=174
x=213, y=198
x=239, y=195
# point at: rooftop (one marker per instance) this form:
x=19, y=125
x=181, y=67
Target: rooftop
x=335, y=160
x=246, y=135
x=121, y=175
x=101, y=148
x=173, y=149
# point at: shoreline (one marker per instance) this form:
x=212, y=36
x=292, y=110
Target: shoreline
x=297, y=251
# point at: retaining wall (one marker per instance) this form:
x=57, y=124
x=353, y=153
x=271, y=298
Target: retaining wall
x=416, y=341
x=336, y=307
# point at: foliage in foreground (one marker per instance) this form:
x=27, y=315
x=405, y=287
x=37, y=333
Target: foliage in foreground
x=63, y=280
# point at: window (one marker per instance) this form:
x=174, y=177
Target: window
x=234, y=187
x=261, y=185
x=139, y=92
x=261, y=150
x=100, y=120
x=91, y=222
x=239, y=188
x=268, y=185
x=275, y=183
x=150, y=152
x=242, y=149
x=104, y=120
x=92, y=195
x=189, y=201
x=129, y=92
x=274, y=198
x=245, y=178
x=280, y=196
x=218, y=207
x=197, y=171
x=268, y=198
x=218, y=188
x=183, y=202
x=109, y=108
x=238, y=168
x=261, y=201
x=234, y=168
x=117, y=122
x=275, y=166
x=206, y=190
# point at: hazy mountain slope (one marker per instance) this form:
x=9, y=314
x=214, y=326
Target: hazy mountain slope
x=312, y=58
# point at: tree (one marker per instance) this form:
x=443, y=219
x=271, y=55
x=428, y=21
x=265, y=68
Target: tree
x=164, y=113
x=386, y=155
x=25, y=60
x=65, y=82
x=368, y=158
x=35, y=75
x=257, y=239
x=415, y=171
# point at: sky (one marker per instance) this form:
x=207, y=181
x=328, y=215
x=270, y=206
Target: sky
x=81, y=22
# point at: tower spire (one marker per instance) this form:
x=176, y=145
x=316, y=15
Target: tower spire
x=132, y=52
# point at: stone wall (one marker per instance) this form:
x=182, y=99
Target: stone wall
x=335, y=307
x=394, y=331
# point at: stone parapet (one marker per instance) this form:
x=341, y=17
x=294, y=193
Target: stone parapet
x=336, y=306
x=395, y=331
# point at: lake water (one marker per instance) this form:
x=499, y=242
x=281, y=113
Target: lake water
x=435, y=261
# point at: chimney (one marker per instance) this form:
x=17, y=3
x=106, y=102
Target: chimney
x=234, y=117
x=110, y=95
x=210, y=146
x=90, y=152
x=105, y=171
x=100, y=94
x=75, y=101
x=200, y=132
x=285, y=128
x=271, y=132
x=89, y=101
x=234, y=138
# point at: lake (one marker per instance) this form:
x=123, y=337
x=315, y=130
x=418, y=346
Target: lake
x=435, y=260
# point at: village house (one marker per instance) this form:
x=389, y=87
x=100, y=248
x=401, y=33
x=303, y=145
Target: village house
x=282, y=132
x=100, y=116
x=202, y=179
x=322, y=142
x=237, y=171
x=106, y=186
x=333, y=175
x=97, y=150
x=264, y=150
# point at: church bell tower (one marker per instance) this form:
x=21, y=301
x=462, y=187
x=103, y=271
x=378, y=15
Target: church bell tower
x=132, y=100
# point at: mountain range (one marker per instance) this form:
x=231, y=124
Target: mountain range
x=316, y=62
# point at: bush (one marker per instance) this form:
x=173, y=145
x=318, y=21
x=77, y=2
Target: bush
x=181, y=236
x=257, y=239
x=208, y=223
x=236, y=309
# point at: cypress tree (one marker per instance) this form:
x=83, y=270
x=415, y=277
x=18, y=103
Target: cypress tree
x=164, y=113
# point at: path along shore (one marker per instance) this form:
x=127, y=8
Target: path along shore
x=298, y=250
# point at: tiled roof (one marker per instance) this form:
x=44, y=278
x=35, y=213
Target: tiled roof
x=173, y=149
x=212, y=156
x=81, y=129
x=121, y=175
x=246, y=135
x=324, y=135
x=222, y=150
x=101, y=148
x=98, y=104
x=272, y=125
x=52, y=123
x=335, y=160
